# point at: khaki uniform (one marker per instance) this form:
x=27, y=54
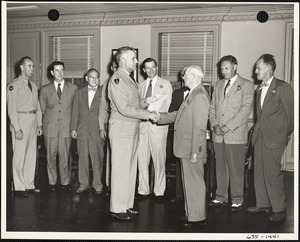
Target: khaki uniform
x=123, y=133
x=25, y=113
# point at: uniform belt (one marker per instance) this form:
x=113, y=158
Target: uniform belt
x=30, y=112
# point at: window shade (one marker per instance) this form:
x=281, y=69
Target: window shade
x=187, y=48
x=77, y=52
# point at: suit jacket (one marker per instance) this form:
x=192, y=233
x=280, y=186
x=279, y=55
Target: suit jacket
x=162, y=87
x=57, y=112
x=177, y=99
x=85, y=120
x=275, y=120
x=190, y=124
x=233, y=110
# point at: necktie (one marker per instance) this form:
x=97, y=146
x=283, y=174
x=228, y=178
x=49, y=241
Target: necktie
x=59, y=90
x=227, y=85
x=131, y=76
x=149, y=91
x=29, y=85
x=92, y=89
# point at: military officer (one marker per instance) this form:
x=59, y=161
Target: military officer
x=26, y=123
x=126, y=113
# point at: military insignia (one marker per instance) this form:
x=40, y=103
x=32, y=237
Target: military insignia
x=11, y=88
x=161, y=86
x=116, y=80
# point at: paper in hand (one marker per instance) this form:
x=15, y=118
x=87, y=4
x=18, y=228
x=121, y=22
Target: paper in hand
x=156, y=102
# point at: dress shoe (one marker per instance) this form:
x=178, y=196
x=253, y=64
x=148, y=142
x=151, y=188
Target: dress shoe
x=66, y=187
x=132, y=211
x=278, y=216
x=21, y=194
x=79, y=191
x=141, y=196
x=159, y=198
x=190, y=224
x=33, y=190
x=216, y=203
x=259, y=209
x=52, y=187
x=99, y=192
x=183, y=218
x=236, y=207
x=121, y=216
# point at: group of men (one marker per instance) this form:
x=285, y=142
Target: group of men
x=133, y=117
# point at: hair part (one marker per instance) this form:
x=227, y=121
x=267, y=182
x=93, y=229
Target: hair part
x=229, y=58
x=121, y=51
x=56, y=63
x=149, y=59
x=268, y=59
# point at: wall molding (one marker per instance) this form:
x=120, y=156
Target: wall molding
x=96, y=20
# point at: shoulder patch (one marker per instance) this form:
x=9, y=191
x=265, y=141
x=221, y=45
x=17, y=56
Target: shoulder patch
x=11, y=88
x=116, y=80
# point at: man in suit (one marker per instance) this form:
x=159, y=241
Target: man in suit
x=177, y=98
x=153, y=137
x=56, y=99
x=272, y=131
x=86, y=129
x=124, y=122
x=190, y=145
x=230, y=109
x=25, y=124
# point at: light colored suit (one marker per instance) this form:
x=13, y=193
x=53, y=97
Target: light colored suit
x=124, y=124
x=274, y=124
x=85, y=121
x=153, y=141
x=190, y=137
x=56, y=129
x=233, y=110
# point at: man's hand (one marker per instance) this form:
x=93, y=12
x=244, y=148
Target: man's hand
x=217, y=129
x=144, y=103
x=154, y=116
x=224, y=129
x=193, y=158
x=74, y=134
x=102, y=134
x=19, y=134
x=39, y=131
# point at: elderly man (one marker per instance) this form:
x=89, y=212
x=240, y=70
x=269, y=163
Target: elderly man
x=125, y=117
x=272, y=131
x=25, y=124
x=190, y=144
x=230, y=108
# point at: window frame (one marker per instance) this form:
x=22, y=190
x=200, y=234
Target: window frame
x=187, y=27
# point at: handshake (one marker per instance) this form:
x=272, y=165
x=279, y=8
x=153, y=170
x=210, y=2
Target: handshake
x=154, y=116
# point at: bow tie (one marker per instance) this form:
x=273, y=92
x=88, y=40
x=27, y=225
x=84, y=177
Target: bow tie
x=263, y=84
x=92, y=89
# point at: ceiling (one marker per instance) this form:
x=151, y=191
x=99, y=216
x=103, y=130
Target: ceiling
x=39, y=9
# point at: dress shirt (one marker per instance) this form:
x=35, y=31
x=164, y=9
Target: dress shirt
x=264, y=91
x=91, y=94
x=232, y=80
x=154, y=80
x=61, y=86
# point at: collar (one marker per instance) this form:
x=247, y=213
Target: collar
x=233, y=79
x=62, y=83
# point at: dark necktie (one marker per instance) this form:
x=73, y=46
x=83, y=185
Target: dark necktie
x=227, y=85
x=59, y=90
x=131, y=76
x=149, y=91
x=29, y=85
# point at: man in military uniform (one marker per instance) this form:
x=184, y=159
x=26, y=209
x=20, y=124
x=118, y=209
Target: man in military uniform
x=126, y=113
x=26, y=123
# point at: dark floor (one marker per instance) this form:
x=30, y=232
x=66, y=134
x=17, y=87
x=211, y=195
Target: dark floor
x=61, y=211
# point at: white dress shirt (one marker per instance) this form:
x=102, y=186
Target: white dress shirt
x=61, y=86
x=232, y=80
x=264, y=91
x=91, y=94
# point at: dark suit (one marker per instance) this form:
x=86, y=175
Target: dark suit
x=85, y=121
x=274, y=124
x=56, y=129
x=190, y=138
